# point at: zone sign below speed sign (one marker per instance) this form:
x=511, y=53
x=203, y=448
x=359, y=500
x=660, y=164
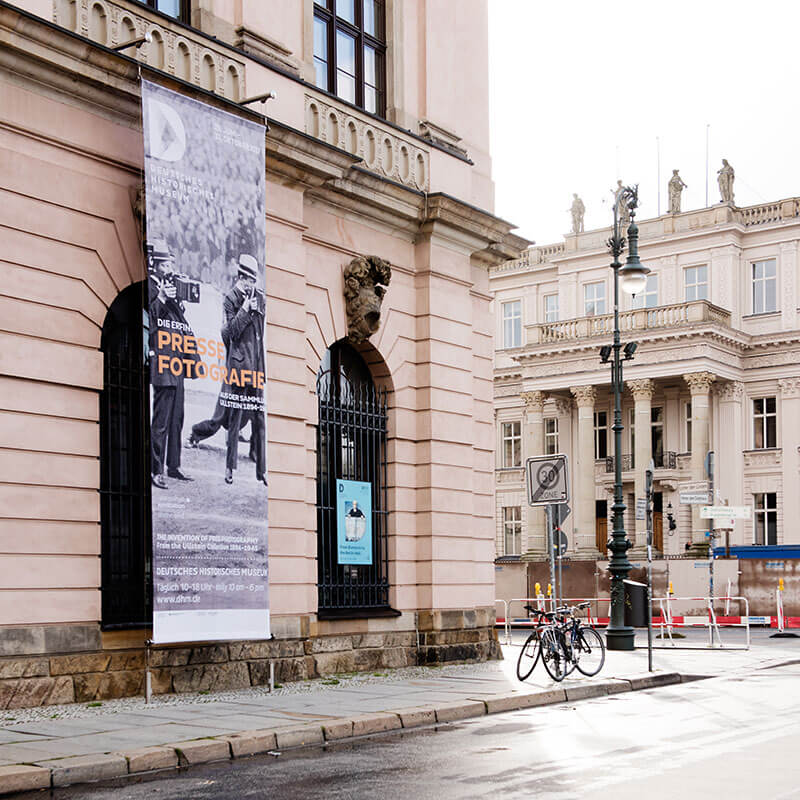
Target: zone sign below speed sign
x=546, y=477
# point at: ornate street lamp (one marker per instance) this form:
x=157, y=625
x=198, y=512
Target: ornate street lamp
x=632, y=278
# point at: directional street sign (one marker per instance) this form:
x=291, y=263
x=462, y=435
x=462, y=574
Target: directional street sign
x=694, y=492
x=694, y=498
x=726, y=512
x=547, y=480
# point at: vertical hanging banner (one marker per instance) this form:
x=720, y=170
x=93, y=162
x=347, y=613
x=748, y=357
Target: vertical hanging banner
x=205, y=212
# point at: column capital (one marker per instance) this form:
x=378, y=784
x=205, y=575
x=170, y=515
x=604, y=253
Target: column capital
x=790, y=387
x=641, y=389
x=584, y=395
x=730, y=391
x=563, y=406
x=699, y=382
x=534, y=401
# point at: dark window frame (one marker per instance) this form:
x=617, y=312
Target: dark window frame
x=184, y=16
x=765, y=518
x=325, y=10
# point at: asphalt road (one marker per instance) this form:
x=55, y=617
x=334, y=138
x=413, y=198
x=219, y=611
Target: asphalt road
x=729, y=738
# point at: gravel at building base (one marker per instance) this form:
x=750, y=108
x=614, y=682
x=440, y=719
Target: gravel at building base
x=10, y=717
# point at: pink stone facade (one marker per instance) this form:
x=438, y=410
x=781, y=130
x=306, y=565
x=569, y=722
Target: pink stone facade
x=70, y=168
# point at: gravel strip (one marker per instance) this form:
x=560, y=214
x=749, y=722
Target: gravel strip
x=16, y=716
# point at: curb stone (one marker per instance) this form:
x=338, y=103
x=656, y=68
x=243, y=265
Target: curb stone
x=451, y=712
x=375, y=723
x=23, y=778
x=250, y=743
x=81, y=769
x=337, y=729
x=650, y=681
x=146, y=759
x=201, y=751
x=298, y=737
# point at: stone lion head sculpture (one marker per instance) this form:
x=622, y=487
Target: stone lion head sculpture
x=365, y=282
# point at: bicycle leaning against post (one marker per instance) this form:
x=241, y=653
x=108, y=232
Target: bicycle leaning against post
x=564, y=643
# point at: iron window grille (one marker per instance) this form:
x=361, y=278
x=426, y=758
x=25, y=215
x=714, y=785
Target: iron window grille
x=351, y=445
x=350, y=51
x=125, y=532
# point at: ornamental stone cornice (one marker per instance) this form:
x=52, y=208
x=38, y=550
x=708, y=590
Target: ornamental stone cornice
x=534, y=401
x=730, y=391
x=584, y=395
x=641, y=389
x=790, y=387
x=699, y=382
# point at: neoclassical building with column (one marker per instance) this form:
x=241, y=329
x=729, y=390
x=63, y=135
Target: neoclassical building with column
x=717, y=368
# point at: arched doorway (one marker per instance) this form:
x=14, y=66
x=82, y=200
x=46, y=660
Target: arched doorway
x=124, y=468
x=351, y=446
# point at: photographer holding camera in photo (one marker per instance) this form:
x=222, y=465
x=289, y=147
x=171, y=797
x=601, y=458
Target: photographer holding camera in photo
x=167, y=317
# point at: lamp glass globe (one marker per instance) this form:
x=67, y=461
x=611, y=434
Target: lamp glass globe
x=632, y=281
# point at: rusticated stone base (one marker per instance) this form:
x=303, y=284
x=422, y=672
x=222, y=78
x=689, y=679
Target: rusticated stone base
x=106, y=674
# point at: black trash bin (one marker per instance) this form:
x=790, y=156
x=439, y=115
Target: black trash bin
x=635, y=603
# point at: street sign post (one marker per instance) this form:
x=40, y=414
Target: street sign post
x=546, y=478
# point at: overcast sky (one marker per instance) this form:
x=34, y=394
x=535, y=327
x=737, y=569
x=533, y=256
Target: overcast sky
x=580, y=90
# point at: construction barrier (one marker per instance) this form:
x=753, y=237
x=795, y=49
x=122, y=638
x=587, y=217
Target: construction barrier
x=669, y=620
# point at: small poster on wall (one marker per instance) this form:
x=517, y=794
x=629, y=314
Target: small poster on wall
x=354, y=522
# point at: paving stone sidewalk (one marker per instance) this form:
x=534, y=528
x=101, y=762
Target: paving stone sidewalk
x=62, y=745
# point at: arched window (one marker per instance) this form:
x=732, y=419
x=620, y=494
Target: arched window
x=124, y=468
x=351, y=446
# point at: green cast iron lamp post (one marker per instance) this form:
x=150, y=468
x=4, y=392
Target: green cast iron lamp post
x=632, y=278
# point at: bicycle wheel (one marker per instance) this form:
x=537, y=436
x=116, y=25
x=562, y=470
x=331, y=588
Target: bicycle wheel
x=528, y=656
x=590, y=652
x=553, y=655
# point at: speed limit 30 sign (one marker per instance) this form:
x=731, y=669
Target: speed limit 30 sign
x=546, y=477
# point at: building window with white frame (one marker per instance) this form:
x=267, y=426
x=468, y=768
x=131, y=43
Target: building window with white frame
x=594, y=299
x=765, y=423
x=695, y=283
x=512, y=445
x=649, y=297
x=765, y=286
x=765, y=528
x=512, y=324
x=600, y=434
x=551, y=308
x=551, y=436
x=688, y=421
x=512, y=530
